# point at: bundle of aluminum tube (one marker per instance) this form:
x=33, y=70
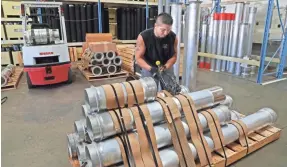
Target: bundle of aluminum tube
x=6, y=74
x=105, y=63
x=95, y=144
x=229, y=34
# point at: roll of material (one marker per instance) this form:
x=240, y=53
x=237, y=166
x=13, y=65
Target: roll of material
x=106, y=62
x=72, y=23
x=67, y=22
x=78, y=25
x=95, y=18
x=96, y=70
x=105, y=20
x=138, y=21
x=89, y=18
x=128, y=25
x=83, y=22
x=110, y=55
x=143, y=20
x=99, y=56
x=117, y=61
x=94, y=62
x=111, y=69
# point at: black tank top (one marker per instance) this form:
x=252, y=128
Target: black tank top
x=161, y=49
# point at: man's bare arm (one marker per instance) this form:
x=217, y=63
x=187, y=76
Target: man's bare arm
x=140, y=51
x=172, y=60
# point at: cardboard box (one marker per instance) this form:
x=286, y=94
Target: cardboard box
x=99, y=37
x=102, y=46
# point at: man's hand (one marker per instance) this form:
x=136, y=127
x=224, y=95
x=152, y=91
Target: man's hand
x=162, y=68
x=153, y=70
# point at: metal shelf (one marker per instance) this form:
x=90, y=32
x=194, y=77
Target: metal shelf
x=115, y=2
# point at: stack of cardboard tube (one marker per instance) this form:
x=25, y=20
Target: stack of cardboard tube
x=131, y=124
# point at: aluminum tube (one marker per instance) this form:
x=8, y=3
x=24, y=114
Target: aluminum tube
x=110, y=148
x=221, y=42
x=112, y=69
x=191, y=45
x=79, y=127
x=226, y=43
x=110, y=55
x=99, y=56
x=160, y=6
x=235, y=34
x=81, y=152
x=117, y=61
x=96, y=70
x=245, y=16
x=241, y=46
x=95, y=96
x=167, y=6
x=230, y=42
x=176, y=11
x=251, y=22
x=210, y=36
x=73, y=141
x=94, y=62
x=214, y=42
x=203, y=43
x=106, y=62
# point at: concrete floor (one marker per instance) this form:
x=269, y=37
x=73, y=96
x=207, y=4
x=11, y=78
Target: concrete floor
x=35, y=122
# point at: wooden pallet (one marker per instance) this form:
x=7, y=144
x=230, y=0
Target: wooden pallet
x=90, y=77
x=16, y=76
x=235, y=151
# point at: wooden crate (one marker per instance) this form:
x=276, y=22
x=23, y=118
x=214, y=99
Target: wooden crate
x=17, y=57
x=235, y=151
x=12, y=9
x=14, y=32
x=113, y=29
x=14, y=80
x=75, y=53
x=2, y=32
x=5, y=58
x=90, y=77
x=112, y=15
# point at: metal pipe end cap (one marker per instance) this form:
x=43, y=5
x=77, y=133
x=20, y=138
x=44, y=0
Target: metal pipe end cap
x=271, y=112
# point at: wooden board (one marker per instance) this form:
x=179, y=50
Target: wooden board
x=90, y=77
x=15, y=78
x=235, y=151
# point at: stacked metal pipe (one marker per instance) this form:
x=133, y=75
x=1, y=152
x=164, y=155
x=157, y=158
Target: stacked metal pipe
x=6, y=74
x=105, y=63
x=94, y=142
x=229, y=34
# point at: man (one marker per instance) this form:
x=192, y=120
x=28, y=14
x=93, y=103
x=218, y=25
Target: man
x=157, y=44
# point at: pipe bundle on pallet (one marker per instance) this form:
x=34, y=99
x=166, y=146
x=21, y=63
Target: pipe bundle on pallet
x=100, y=139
